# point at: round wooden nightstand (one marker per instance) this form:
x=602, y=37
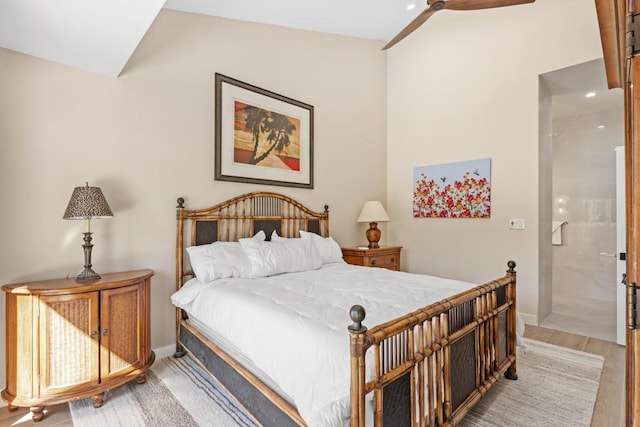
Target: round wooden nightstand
x=67, y=340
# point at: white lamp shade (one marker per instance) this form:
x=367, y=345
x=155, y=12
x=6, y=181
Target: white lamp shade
x=373, y=211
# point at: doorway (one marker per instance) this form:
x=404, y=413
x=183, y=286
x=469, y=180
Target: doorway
x=587, y=122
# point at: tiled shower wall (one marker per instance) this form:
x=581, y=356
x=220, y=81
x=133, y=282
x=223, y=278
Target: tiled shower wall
x=584, y=195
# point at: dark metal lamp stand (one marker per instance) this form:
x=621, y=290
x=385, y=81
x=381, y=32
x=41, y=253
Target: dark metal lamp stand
x=87, y=273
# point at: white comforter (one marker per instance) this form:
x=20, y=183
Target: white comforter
x=294, y=326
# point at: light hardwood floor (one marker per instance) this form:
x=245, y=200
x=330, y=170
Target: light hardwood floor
x=609, y=409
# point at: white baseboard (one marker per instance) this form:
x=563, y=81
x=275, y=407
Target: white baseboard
x=529, y=319
x=165, y=351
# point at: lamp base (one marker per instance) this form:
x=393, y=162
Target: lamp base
x=87, y=273
x=373, y=235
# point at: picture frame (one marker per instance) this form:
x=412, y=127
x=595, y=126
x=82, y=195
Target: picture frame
x=261, y=137
x=453, y=190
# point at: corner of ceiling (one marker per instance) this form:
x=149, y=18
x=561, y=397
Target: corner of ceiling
x=99, y=36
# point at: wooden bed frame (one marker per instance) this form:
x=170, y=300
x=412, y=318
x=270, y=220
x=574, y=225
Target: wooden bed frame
x=429, y=367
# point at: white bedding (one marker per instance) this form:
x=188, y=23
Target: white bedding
x=273, y=319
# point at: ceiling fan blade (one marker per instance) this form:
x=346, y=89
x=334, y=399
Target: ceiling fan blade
x=413, y=25
x=482, y=4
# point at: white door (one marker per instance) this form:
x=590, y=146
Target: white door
x=621, y=247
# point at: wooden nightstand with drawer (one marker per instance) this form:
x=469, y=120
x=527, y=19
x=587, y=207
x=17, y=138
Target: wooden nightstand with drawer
x=384, y=257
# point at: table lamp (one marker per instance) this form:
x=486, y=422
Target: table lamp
x=373, y=213
x=87, y=203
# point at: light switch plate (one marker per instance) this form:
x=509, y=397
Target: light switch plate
x=516, y=224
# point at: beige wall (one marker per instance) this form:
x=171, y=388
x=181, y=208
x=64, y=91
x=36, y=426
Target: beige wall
x=465, y=86
x=147, y=138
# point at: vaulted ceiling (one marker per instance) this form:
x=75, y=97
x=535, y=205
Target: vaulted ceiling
x=101, y=35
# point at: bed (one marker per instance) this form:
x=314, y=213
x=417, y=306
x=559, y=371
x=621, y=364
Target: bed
x=426, y=366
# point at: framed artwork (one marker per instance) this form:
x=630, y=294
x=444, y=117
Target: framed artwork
x=262, y=137
x=453, y=190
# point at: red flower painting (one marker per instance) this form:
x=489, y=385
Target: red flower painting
x=444, y=197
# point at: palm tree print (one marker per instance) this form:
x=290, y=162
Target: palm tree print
x=270, y=131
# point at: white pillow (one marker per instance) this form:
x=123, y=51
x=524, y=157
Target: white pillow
x=275, y=237
x=221, y=260
x=280, y=256
x=327, y=248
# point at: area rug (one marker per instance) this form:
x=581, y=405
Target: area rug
x=556, y=386
x=178, y=392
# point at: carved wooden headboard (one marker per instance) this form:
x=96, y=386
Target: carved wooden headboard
x=241, y=217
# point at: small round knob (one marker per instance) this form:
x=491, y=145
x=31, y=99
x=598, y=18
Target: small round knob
x=393, y=259
x=357, y=315
x=105, y=331
x=373, y=262
x=94, y=333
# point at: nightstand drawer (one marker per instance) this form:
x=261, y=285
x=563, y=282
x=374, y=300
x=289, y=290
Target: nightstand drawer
x=383, y=257
x=385, y=261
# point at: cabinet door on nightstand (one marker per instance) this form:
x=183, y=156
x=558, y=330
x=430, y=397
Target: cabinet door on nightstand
x=122, y=330
x=68, y=342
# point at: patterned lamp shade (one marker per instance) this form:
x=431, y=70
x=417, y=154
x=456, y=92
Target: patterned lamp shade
x=86, y=203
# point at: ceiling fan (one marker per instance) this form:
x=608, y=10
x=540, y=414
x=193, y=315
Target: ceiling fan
x=435, y=5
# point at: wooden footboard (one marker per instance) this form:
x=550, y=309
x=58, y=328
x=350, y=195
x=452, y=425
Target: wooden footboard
x=429, y=367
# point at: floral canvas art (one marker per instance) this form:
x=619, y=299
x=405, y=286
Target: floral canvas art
x=453, y=190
